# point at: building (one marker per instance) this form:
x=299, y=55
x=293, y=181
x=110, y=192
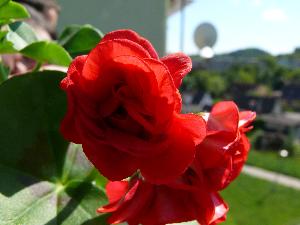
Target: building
x=146, y=17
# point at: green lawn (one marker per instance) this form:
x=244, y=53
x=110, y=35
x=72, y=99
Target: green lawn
x=271, y=161
x=257, y=202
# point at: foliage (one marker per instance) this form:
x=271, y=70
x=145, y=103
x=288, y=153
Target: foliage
x=211, y=82
x=50, y=52
x=258, y=70
x=59, y=186
x=4, y=72
x=79, y=40
x=10, y=10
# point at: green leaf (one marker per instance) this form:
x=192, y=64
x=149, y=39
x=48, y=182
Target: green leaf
x=3, y=2
x=21, y=35
x=5, y=45
x=50, y=52
x=3, y=34
x=12, y=10
x=4, y=72
x=78, y=40
x=18, y=36
x=44, y=180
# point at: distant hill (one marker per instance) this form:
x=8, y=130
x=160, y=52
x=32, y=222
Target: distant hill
x=246, y=53
x=221, y=62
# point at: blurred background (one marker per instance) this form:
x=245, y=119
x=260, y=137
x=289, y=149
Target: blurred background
x=242, y=50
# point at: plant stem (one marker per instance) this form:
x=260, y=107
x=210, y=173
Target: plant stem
x=37, y=67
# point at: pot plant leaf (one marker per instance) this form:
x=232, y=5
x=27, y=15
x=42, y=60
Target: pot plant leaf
x=78, y=40
x=3, y=2
x=47, y=52
x=44, y=179
x=10, y=10
x=5, y=45
x=21, y=35
x=18, y=36
x=4, y=72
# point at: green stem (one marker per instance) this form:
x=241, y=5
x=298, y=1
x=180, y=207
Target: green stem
x=37, y=67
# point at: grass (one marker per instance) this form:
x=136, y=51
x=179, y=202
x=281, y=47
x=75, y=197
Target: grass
x=272, y=161
x=257, y=202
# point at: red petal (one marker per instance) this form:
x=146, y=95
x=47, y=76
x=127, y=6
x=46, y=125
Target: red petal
x=211, y=207
x=169, y=96
x=246, y=118
x=220, y=209
x=194, y=125
x=240, y=156
x=179, y=66
x=132, y=36
x=211, y=151
x=112, y=163
x=98, y=59
x=224, y=116
x=163, y=78
x=222, y=167
x=115, y=190
x=69, y=125
x=125, y=199
x=219, y=177
x=178, y=154
x=134, y=205
x=74, y=72
x=169, y=206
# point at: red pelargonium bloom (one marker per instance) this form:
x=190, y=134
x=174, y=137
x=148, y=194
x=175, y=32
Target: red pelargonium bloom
x=140, y=202
x=222, y=154
x=194, y=195
x=124, y=108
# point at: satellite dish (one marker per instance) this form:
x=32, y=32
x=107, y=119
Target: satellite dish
x=205, y=35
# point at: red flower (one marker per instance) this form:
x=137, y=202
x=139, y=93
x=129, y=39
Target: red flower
x=222, y=154
x=194, y=195
x=139, y=202
x=124, y=108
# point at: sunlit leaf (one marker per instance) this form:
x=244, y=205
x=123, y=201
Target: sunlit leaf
x=78, y=40
x=50, y=52
x=5, y=45
x=3, y=2
x=44, y=180
x=21, y=35
x=12, y=10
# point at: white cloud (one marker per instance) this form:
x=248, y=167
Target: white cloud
x=257, y=2
x=274, y=15
x=242, y=2
x=236, y=2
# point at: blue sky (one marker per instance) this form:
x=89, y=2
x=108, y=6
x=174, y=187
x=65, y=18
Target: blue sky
x=272, y=25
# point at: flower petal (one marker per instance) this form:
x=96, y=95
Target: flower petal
x=69, y=125
x=100, y=56
x=115, y=190
x=112, y=163
x=179, y=66
x=179, y=152
x=224, y=116
x=119, y=194
x=134, y=204
x=132, y=36
x=246, y=118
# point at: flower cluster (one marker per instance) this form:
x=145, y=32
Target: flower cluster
x=124, y=107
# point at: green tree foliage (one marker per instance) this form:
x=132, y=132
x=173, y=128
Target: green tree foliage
x=263, y=71
x=212, y=82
